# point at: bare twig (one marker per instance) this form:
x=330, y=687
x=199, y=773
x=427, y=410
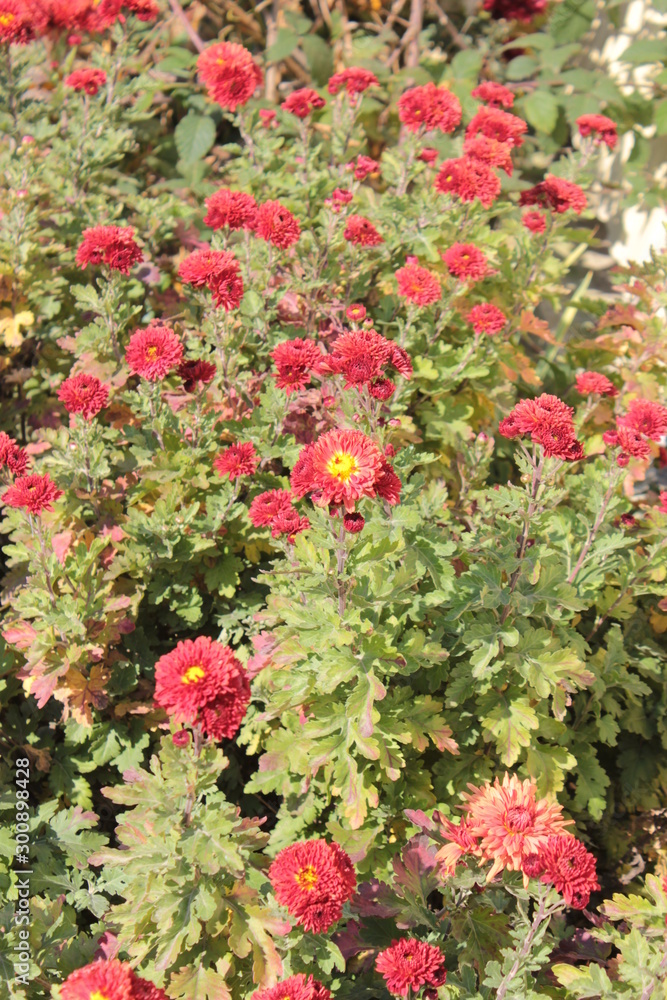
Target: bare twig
x=185, y=21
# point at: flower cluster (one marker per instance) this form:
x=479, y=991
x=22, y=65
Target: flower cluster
x=113, y=246
x=12, y=456
x=231, y=210
x=604, y=130
x=303, y=102
x=362, y=357
x=201, y=683
x=353, y=81
x=556, y=194
x=84, y=394
x=644, y=421
x=427, y=108
x=217, y=270
x=111, y=979
x=87, y=79
x=548, y=421
x=295, y=361
x=313, y=879
x=274, y=509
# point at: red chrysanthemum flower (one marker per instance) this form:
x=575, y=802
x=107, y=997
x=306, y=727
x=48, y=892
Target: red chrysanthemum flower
x=428, y=155
x=515, y=10
x=364, y=167
x=555, y=193
x=489, y=151
x=313, y=879
x=345, y=466
x=231, y=210
x=646, y=418
x=196, y=373
x=87, y=79
x=356, y=313
x=338, y=200
x=631, y=443
x=570, y=868
x=277, y=225
x=217, y=270
x=460, y=843
x=409, y=964
x=237, y=460
x=34, y=493
x=418, y=285
x=494, y=94
x=499, y=125
x=295, y=988
x=288, y=522
x=535, y=221
x=510, y=821
x=353, y=523
x=303, y=102
x=548, y=421
x=468, y=179
x=12, y=456
x=229, y=73
x=382, y=388
x=111, y=980
x=354, y=344
x=592, y=383
x=266, y=506
x=84, y=394
x=400, y=359
x=15, y=23
x=428, y=108
x=202, y=683
x=143, y=10
x=114, y=246
x=181, y=738
x=486, y=318
x=354, y=80
x=465, y=261
x=153, y=352
x=268, y=117
x=602, y=128
x=362, y=232
x=295, y=360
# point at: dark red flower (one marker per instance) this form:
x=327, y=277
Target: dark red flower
x=196, y=373
x=429, y=107
x=87, y=79
x=468, y=179
x=277, y=225
x=229, y=73
x=266, y=506
x=181, y=738
x=515, y=10
x=570, y=868
x=400, y=359
x=465, y=261
x=295, y=988
x=362, y=232
x=409, y=964
x=303, y=102
x=353, y=523
x=154, y=352
x=83, y=394
x=535, y=221
x=143, y=10
x=231, y=209
x=114, y=246
x=602, y=128
x=237, y=460
x=555, y=193
x=387, y=484
x=428, y=155
x=418, y=285
x=217, y=270
x=493, y=94
x=313, y=879
x=487, y=318
x=592, y=383
x=33, y=493
x=295, y=360
x=354, y=80
x=12, y=456
x=382, y=388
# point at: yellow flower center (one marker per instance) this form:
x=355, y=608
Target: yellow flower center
x=6, y=18
x=193, y=674
x=306, y=878
x=342, y=465
x=151, y=353
x=97, y=995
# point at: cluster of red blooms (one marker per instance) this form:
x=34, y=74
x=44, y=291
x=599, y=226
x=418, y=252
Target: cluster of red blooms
x=363, y=167
x=417, y=284
x=274, y=509
x=153, y=352
x=201, y=683
x=362, y=232
x=468, y=179
x=361, y=356
x=409, y=964
x=229, y=73
x=427, y=108
x=594, y=384
x=32, y=493
x=217, y=270
x=236, y=461
x=113, y=246
x=295, y=988
x=313, y=880
x=353, y=81
x=229, y=209
x=536, y=222
x=603, y=129
x=494, y=94
x=486, y=318
x=465, y=261
x=21, y=21
x=556, y=194
x=13, y=458
x=87, y=79
x=84, y=395
x=515, y=10
x=110, y=979
x=296, y=360
x=564, y=862
x=548, y=421
x=303, y=102
x=196, y=374
x=645, y=421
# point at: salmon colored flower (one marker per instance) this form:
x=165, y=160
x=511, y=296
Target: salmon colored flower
x=493, y=94
x=362, y=232
x=592, y=383
x=364, y=166
x=87, y=79
x=494, y=123
x=110, y=980
x=84, y=394
x=303, y=102
x=602, y=128
x=277, y=225
x=461, y=842
x=490, y=152
x=229, y=209
x=200, y=682
x=297, y=987
x=313, y=879
x=153, y=352
x=356, y=313
x=418, y=285
x=428, y=107
x=237, y=460
x=409, y=964
x=229, y=73
x=114, y=246
x=33, y=493
x=12, y=456
x=217, y=270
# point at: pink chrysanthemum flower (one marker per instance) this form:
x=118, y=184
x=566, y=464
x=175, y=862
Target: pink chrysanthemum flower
x=84, y=394
x=490, y=152
x=237, y=460
x=494, y=94
x=631, y=443
x=487, y=318
x=266, y=506
x=196, y=374
x=277, y=225
x=362, y=232
x=297, y=987
x=354, y=80
x=217, y=270
x=313, y=879
x=605, y=130
x=409, y=964
x=229, y=209
x=564, y=862
x=465, y=261
x=33, y=493
x=153, y=352
x=303, y=102
x=555, y=193
x=356, y=313
x=536, y=222
x=110, y=980
x=428, y=155
x=468, y=179
x=418, y=285
x=428, y=108
x=87, y=79
x=268, y=117
x=295, y=360
x=510, y=821
x=114, y=246
x=202, y=683
x=592, y=383
x=12, y=456
x=365, y=343
x=229, y=73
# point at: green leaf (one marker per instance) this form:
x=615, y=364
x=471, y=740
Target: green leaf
x=660, y=117
x=521, y=68
x=571, y=19
x=319, y=58
x=541, y=110
x=646, y=50
x=510, y=723
x=194, y=134
x=284, y=45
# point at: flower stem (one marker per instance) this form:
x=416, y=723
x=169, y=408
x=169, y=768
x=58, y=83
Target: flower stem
x=613, y=482
x=540, y=923
x=536, y=481
x=341, y=556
